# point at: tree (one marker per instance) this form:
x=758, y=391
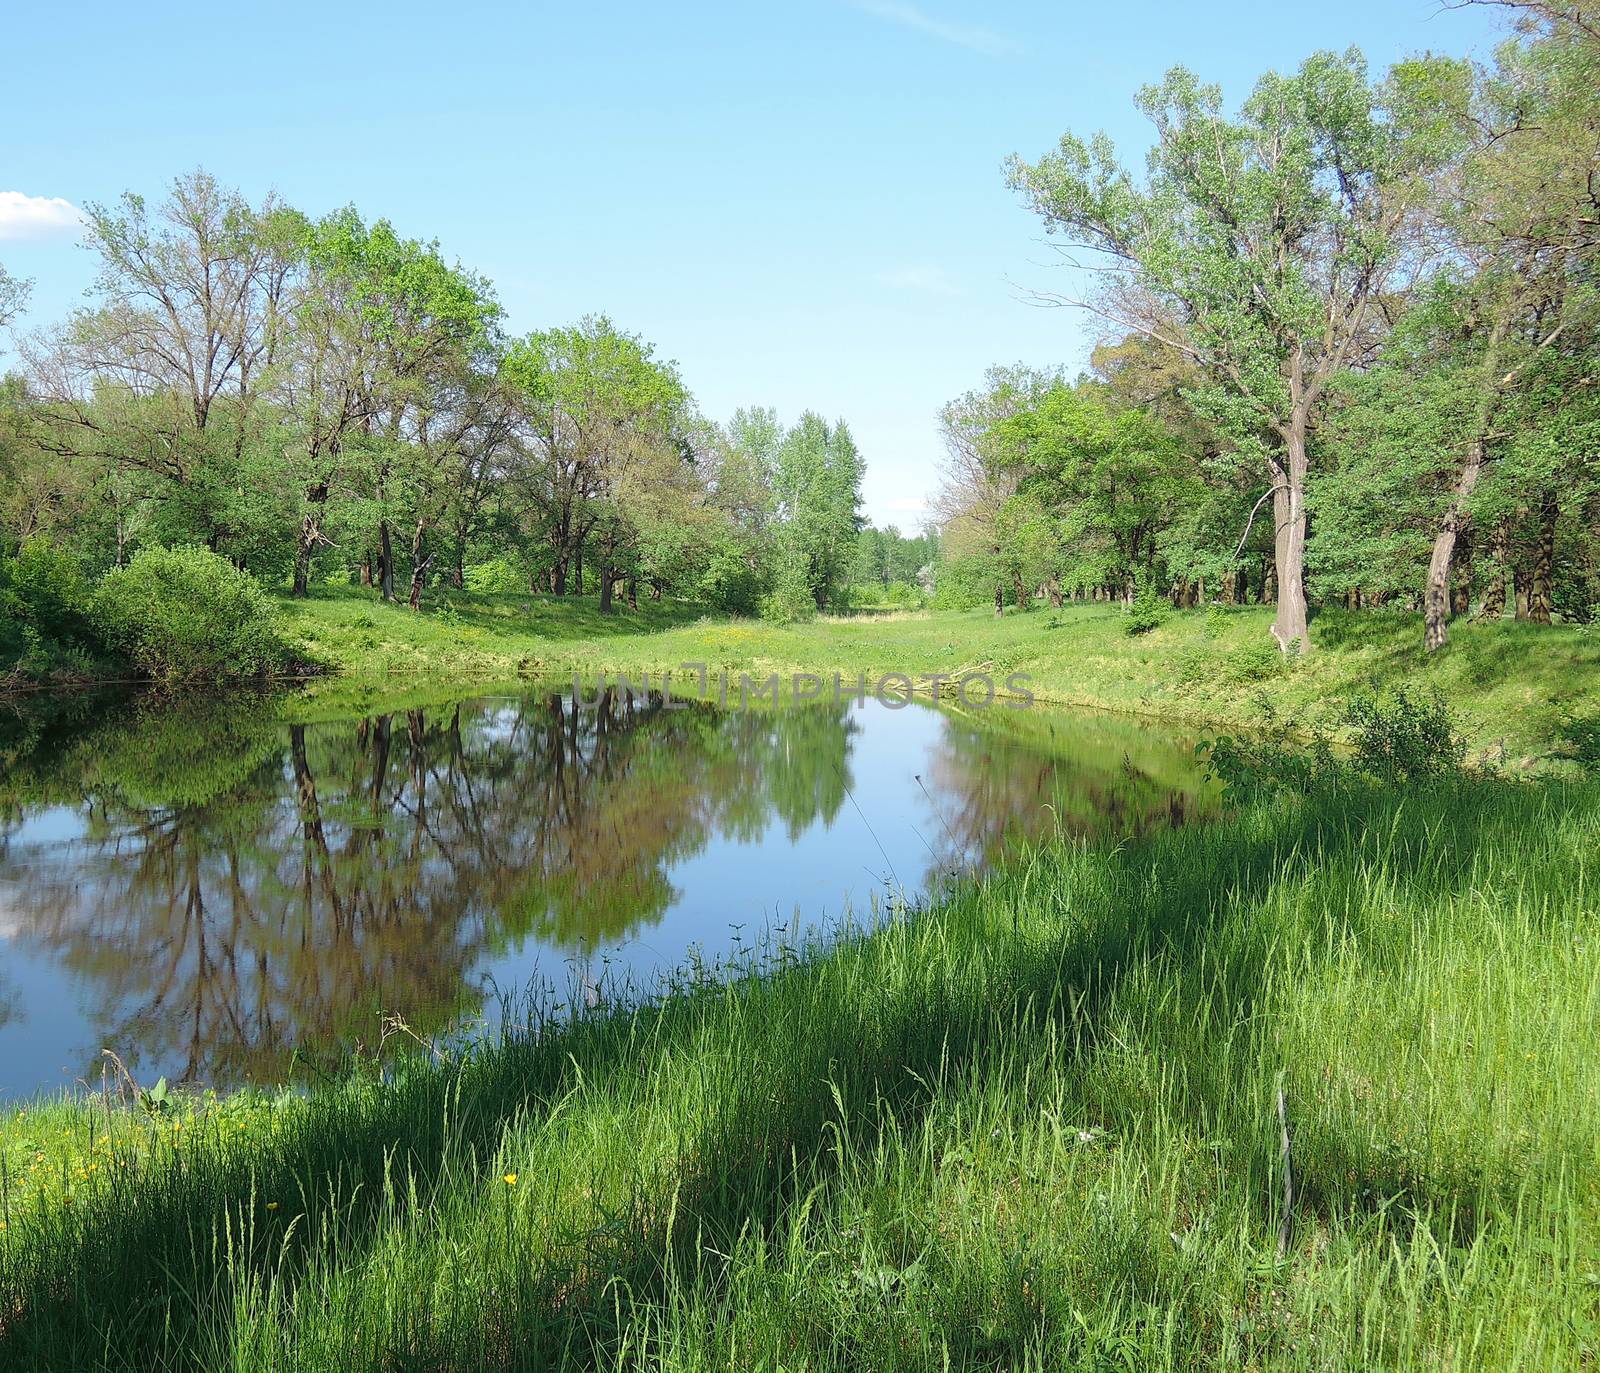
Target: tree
x=1107, y=483
x=13, y=297
x=1258, y=245
x=817, y=483
x=165, y=375
x=978, y=483
x=599, y=418
x=1519, y=220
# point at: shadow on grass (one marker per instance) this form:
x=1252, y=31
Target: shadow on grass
x=141, y=1278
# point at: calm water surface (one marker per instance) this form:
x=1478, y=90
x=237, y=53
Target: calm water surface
x=220, y=897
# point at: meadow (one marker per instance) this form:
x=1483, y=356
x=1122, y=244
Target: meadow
x=1525, y=694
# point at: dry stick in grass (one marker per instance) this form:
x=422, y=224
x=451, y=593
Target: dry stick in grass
x=1287, y=1223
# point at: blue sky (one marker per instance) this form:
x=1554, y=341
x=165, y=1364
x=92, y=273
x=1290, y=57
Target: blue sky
x=801, y=202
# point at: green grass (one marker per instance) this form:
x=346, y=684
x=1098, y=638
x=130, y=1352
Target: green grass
x=1516, y=687
x=1032, y=1128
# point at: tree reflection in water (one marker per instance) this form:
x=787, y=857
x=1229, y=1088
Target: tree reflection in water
x=228, y=891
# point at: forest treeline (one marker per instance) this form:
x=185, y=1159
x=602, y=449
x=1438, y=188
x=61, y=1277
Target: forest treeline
x=315, y=399
x=1349, y=354
x=1349, y=350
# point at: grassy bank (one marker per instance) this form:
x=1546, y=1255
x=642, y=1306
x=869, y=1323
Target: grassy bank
x=1517, y=687
x=1035, y=1128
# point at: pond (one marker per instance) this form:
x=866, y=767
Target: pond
x=224, y=898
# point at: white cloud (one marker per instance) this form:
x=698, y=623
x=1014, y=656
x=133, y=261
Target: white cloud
x=973, y=36
x=923, y=277
x=36, y=216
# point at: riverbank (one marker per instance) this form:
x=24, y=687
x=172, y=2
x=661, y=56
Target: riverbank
x=1036, y=1127
x=1517, y=688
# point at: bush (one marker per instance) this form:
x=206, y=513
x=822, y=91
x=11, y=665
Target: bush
x=967, y=584
x=1256, y=662
x=44, y=609
x=503, y=574
x=1271, y=759
x=894, y=596
x=728, y=583
x=1408, y=740
x=790, y=599
x=1194, y=665
x=1580, y=736
x=1149, y=610
x=185, y=613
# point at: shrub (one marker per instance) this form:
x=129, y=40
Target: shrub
x=185, y=613
x=894, y=596
x=503, y=574
x=1195, y=664
x=1408, y=740
x=44, y=608
x=1255, y=662
x=790, y=599
x=1580, y=734
x=1149, y=610
x=1274, y=758
x=1405, y=741
x=728, y=582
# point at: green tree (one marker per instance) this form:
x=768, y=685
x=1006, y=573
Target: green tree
x=979, y=483
x=167, y=375
x=603, y=427
x=1107, y=482
x=817, y=484
x=1258, y=244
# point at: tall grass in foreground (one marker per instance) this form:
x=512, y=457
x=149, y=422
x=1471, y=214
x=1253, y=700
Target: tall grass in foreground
x=1034, y=1128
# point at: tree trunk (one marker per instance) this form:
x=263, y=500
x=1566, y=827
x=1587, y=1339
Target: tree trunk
x=1521, y=582
x=1436, y=593
x=385, y=561
x=1289, y=543
x=308, y=537
x=305, y=541
x=1541, y=599
x=1584, y=607
x=1494, y=591
x=1019, y=592
x=607, y=577
x=1056, y=598
x=1461, y=583
x=633, y=593
x=366, y=568
x=999, y=599
x=577, y=572
x=419, y=564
